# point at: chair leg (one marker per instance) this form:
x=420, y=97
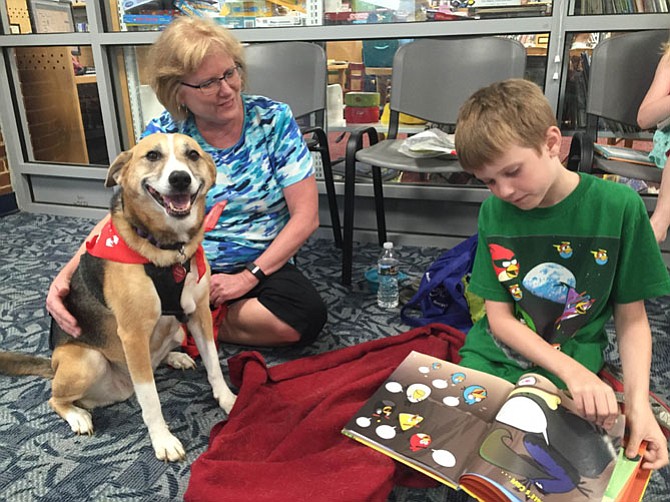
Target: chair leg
x=379, y=204
x=348, y=231
x=354, y=143
x=324, y=150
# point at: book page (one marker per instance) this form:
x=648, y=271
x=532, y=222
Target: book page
x=538, y=450
x=431, y=415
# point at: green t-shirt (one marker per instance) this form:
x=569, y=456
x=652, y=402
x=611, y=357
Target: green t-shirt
x=563, y=267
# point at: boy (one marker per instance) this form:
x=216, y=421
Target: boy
x=559, y=253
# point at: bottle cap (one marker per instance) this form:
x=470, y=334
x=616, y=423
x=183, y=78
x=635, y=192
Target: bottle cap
x=388, y=245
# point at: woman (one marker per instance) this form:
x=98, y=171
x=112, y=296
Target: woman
x=264, y=171
x=655, y=108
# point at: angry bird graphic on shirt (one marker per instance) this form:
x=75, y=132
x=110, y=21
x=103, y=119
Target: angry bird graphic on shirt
x=515, y=291
x=600, y=256
x=576, y=304
x=504, y=262
x=564, y=249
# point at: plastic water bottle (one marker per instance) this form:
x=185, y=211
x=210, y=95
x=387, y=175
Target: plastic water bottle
x=387, y=274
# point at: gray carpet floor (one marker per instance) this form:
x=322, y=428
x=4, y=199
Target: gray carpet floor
x=40, y=458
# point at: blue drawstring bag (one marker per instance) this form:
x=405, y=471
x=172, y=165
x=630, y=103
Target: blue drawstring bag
x=441, y=295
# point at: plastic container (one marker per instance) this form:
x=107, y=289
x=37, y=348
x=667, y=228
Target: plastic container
x=335, y=105
x=372, y=279
x=387, y=274
x=362, y=99
x=361, y=115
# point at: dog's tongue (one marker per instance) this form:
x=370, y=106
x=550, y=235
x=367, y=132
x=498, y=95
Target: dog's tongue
x=178, y=203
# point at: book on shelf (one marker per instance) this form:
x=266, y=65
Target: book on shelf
x=624, y=154
x=495, y=440
x=585, y=7
x=529, y=9
x=147, y=19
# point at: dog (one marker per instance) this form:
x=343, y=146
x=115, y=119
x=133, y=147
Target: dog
x=142, y=277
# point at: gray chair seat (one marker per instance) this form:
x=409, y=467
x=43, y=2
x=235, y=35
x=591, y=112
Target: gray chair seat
x=386, y=153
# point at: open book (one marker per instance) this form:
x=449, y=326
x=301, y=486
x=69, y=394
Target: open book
x=495, y=440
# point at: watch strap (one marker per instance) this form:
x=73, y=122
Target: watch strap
x=256, y=271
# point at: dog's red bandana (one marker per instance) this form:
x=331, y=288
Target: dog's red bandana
x=109, y=245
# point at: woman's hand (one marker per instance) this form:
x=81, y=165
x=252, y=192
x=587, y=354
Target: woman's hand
x=59, y=289
x=224, y=287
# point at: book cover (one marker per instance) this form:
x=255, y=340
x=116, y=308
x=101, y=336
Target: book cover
x=497, y=441
x=628, y=482
x=624, y=154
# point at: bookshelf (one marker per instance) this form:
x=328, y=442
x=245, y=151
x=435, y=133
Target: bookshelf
x=596, y=7
x=550, y=35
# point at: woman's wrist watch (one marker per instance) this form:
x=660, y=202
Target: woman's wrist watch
x=256, y=271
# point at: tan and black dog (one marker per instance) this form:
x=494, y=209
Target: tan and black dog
x=139, y=279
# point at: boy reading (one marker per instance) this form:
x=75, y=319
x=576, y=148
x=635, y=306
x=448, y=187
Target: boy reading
x=559, y=253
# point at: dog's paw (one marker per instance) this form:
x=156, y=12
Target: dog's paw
x=80, y=421
x=168, y=447
x=179, y=361
x=226, y=400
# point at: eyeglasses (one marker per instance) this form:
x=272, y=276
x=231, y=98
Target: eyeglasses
x=213, y=85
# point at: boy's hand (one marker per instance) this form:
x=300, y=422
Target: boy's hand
x=593, y=398
x=643, y=426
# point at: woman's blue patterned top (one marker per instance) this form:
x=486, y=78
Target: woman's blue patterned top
x=270, y=156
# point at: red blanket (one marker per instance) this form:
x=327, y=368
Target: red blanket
x=282, y=440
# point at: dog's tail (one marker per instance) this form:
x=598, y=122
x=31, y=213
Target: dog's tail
x=16, y=364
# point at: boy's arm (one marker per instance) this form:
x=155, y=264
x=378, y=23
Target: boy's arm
x=634, y=340
x=592, y=398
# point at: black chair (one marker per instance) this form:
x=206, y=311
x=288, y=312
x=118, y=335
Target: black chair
x=431, y=79
x=621, y=71
x=295, y=73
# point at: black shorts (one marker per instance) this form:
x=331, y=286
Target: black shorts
x=289, y=295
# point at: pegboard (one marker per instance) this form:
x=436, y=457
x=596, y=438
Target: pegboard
x=51, y=102
x=17, y=10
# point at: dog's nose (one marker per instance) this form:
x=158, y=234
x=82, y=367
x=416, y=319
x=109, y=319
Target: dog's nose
x=179, y=180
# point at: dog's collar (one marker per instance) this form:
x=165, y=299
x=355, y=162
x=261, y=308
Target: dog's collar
x=175, y=246
x=209, y=223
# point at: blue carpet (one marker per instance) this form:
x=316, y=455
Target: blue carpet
x=41, y=459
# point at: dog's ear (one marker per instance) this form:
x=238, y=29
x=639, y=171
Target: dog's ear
x=114, y=170
x=211, y=168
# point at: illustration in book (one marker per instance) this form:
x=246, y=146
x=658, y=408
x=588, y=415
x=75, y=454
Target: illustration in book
x=478, y=432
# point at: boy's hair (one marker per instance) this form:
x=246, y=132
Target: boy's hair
x=180, y=50
x=511, y=112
